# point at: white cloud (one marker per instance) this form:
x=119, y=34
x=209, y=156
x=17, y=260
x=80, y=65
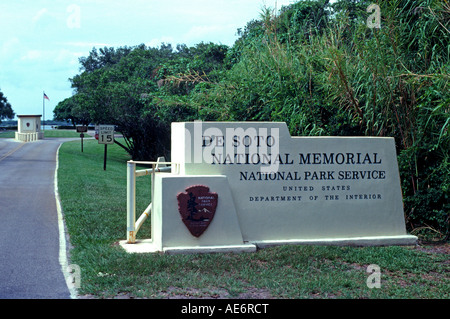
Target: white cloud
x=207, y=33
x=32, y=55
x=9, y=47
x=156, y=42
x=67, y=57
x=39, y=15
x=202, y=30
x=42, y=39
x=87, y=45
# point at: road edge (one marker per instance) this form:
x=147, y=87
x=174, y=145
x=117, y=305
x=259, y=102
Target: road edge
x=63, y=259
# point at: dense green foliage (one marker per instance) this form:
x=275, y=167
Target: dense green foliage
x=318, y=67
x=6, y=111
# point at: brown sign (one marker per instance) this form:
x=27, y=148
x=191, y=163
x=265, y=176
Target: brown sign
x=82, y=129
x=197, y=207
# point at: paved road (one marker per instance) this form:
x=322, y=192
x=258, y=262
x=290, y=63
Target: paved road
x=29, y=230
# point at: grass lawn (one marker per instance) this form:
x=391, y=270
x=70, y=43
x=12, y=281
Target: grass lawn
x=7, y=134
x=61, y=133
x=47, y=134
x=94, y=206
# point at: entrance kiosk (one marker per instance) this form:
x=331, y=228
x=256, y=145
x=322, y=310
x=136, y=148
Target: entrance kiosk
x=29, y=128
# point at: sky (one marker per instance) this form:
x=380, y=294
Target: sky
x=42, y=40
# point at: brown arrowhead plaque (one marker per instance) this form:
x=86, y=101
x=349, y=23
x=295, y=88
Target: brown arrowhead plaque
x=197, y=207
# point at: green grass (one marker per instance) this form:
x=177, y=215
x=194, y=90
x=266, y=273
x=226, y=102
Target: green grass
x=61, y=133
x=94, y=205
x=7, y=134
x=47, y=134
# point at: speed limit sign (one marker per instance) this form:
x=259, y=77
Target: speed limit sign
x=106, y=134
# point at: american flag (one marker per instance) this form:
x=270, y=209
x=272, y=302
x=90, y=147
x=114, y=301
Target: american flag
x=46, y=97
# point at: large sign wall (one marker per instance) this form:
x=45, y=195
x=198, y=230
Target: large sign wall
x=298, y=188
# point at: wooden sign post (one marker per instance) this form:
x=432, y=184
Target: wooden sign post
x=82, y=130
x=105, y=136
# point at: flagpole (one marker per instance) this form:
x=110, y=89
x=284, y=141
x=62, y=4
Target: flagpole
x=43, y=109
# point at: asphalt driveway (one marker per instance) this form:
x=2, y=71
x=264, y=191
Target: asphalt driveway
x=29, y=228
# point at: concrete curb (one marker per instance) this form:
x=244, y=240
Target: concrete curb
x=63, y=259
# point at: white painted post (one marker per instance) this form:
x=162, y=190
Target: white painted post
x=143, y=217
x=134, y=225
x=131, y=202
x=153, y=181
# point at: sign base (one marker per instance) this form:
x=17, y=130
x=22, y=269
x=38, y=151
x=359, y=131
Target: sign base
x=147, y=246
x=406, y=240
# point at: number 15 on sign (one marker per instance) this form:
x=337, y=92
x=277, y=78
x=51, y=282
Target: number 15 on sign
x=106, y=134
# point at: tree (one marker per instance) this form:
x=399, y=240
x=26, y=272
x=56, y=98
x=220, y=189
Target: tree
x=6, y=111
x=302, y=20
x=71, y=110
x=104, y=57
x=141, y=91
x=114, y=87
x=354, y=9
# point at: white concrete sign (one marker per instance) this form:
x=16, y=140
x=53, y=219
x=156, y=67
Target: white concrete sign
x=239, y=186
x=340, y=190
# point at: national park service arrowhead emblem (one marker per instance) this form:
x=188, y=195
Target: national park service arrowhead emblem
x=197, y=207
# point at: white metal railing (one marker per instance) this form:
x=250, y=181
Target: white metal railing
x=159, y=166
x=29, y=137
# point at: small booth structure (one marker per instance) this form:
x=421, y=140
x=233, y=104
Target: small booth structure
x=29, y=128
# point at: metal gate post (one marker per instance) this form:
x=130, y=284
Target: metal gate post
x=131, y=202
